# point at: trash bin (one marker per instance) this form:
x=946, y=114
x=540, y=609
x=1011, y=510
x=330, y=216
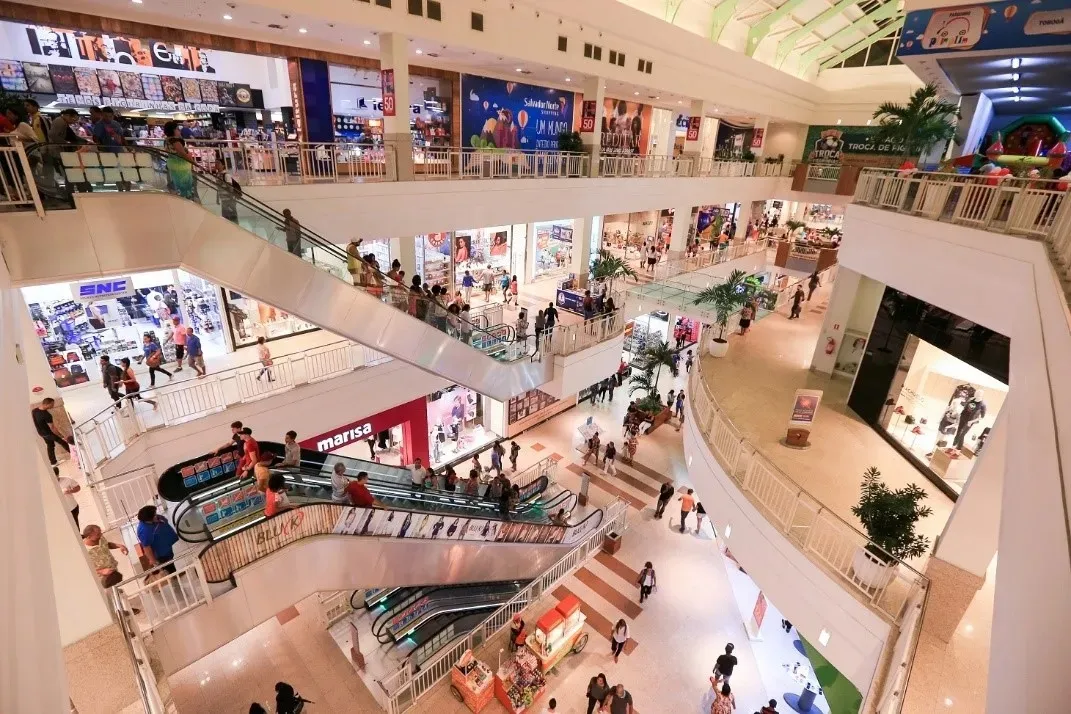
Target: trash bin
x=612, y=543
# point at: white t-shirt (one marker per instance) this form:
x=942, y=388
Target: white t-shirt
x=487, y=277
x=263, y=354
x=339, y=482
x=648, y=578
x=417, y=473
x=69, y=501
x=621, y=635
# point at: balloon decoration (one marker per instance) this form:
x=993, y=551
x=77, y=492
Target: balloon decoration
x=510, y=86
x=485, y=105
x=522, y=118
x=1057, y=154
x=995, y=149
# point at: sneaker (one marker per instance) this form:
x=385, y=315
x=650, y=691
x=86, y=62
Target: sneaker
x=899, y=410
x=917, y=430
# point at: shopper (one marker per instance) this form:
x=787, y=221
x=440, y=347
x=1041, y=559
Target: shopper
x=291, y=451
x=516, y=633
x=195, y=356
x=593, y=448
x=618, y=638
x=797, y=303
x=156, y=537
x=813, y=283
x=588, y=306
x=178, y=337
x=467, y=284
x=487, y=278
x=687, y=506
x=632, y=442
x=417, y=474
x=652, y=258
x=359, y=495
x=69, y=487
x=700, y=514
x=99, y=550
x=292, y=232
x=264, y=355
x=514, y=452
x=450, y=479
x=746, y=313
x=671, y=398
x=154, y=357
x=46, y=429
x=561, y=518
x=680, y=405
x=664, y=494
x=277, y=499
x=465, y=324
x=604, y=387
x=609, y=457
x=688, y=363
x=551, y=314
x=235, y=442
x=770, y=708
x=724, y=701
x=723, y=669
x=36, y=120
x=250, y=453
x=619, y=701
x=339, y=482
x=540, y=327
x=130, y=384
x=287, y=700
x=354, y=263
x=112, y=377
x=675, y=363
x=472, y=486
x=496, y=459
x=514, y=291
x=522, y=328
x=262, y=471
x=598, y=691
x=647, y=581
x=552, y=706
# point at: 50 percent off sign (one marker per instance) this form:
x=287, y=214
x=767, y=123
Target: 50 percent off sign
x=387, y=84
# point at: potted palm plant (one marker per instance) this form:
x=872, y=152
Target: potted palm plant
x=610, y=267
x=888, y=517
x=727, y=297
x=793, y=227
x=925, y=121
x=657, y=354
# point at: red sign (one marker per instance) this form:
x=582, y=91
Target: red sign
x=386, y=78
x=694, y=123
x=587, y=116
x=760, y=610
x=757, y=137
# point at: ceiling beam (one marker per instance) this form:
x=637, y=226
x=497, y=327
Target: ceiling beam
x=720, y=18
x=672, y=8
x=759, y=30
x=788, y=43
x=881, y=34
x=887, y=10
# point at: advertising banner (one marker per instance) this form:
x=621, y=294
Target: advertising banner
x=757, y=137
x=382, y=523
x=829, y=144
x=1007, y=25
x=386, y=79
x=805, y=406
x=511, y=115
x=91, y=47
x=587, y=116
x=694, y=123
x=626, y=128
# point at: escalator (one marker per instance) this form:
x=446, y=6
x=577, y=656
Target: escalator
x=261, y=254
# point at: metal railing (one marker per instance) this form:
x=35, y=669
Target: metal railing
x=465, y=163
x=706, y=258
x=824, y=172
x=404, y=687
x=823, y=536
x=16, y=187
x=570, y=339
x=1027, y=207
x=119, y=497
x=650, y=166
x=111, y=431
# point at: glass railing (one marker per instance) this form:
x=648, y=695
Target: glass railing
x=63, y=170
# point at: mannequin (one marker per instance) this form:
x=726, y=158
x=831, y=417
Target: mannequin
x=973, y=411
x=950, y=419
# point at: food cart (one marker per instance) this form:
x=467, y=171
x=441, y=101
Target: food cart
x=472, y=682
x=558, y=633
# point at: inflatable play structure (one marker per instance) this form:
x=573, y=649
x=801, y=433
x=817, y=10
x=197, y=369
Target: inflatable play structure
x=1035, y=141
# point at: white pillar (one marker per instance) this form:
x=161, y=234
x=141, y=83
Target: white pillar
x=582, y=228
x=853, y=305
x=708, y=138
x=594, y=91
x=678, y=238
x=31, y=354
x=394, y=55
x=530, y=257
x=761, y=124
x=404, y=251
x=693, y=148
x=31, y=660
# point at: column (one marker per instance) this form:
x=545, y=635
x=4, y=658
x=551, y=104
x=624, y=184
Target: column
x=758, y=137
x=592, y=111
x=530, y=257
x=693, y=138
x=310, y=92
x=581, y=264
x=404, y=250
x=708, y=138
x=976, y=111
x=394, y=65
x=678, y=238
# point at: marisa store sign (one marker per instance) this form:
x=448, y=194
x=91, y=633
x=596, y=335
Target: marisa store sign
x=831, y=143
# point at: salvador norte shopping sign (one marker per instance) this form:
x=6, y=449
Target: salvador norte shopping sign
x=991, y=26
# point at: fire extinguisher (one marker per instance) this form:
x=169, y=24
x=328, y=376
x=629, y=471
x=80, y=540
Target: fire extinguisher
x=831, y=345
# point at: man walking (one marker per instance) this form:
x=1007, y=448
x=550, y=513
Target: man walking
x=46, y=429
x=664, y=494
x=797, y=300
x=100, y=556
x=417, y=474
x=196, y=355
x=687, y=506
x=178, y=337
x=551, y=314
x=813, y=284
x=111, y=377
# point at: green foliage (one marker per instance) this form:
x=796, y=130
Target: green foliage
x=748, y=155
x=608, y=266
x=570, y=141
x=651, y=403
x=925, y=121
x=889, y=516
x=831, y=233
x=649, y=369
x=794, y=226
x=727, y=297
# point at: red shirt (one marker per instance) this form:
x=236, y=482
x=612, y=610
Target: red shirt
x=251, y=456
x=359, y=494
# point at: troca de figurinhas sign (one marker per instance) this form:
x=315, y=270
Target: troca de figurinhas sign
x=830, y=143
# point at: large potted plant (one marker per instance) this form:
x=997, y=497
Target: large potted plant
x=610, y=267
x=645, y=380
x=925, y=121
x=727, y=297
x=888, y=517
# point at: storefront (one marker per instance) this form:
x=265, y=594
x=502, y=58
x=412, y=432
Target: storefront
x=456, y=424
x=396, y=436
x=709, y=221
x=523, y=411
x=79, y=322
x=553, y=253
x=249, y=319
x=645, y=330
x=627, y=234
x=931, y=383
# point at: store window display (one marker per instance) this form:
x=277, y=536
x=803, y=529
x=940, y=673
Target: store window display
x=644, y=330
x=249, y=319
x=554, y=248
x=455, y=424
x=474, y=250
x=200, y=310
x=941, y=410
x=433, y=258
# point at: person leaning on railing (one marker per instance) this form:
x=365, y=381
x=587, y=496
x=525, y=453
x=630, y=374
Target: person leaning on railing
x=99, y=550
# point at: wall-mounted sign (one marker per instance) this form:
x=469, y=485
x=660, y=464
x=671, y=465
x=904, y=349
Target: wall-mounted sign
x=386, y=78
x=626, y=128
x=102, y=289
x=511, y=115
x=94, y=100
x=1006, y=25
x=357, y=433
x=757, y=137
x=694, y=123
x=76, y=44
x=587, y=116
x=829, y=144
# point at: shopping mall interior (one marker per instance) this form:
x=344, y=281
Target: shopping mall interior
x=533, y=356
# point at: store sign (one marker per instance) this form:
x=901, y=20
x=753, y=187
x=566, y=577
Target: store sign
x=386, y=78
x=342, y=438
x=1006, y=25
x=587, y=116
x=830, y=144
x=103, y=289
x=682, y=122
x=90, y=100
x=757, y=137
x=805, y=406
x=297, y=98
x=694, y=123
x=570, y=300
x=77, y=44
x=626, y=128
x=511, y=115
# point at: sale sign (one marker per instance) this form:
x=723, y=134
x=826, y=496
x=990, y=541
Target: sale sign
x=693, y=128
x=757, y=137
x=390, y=103
x=587, y=116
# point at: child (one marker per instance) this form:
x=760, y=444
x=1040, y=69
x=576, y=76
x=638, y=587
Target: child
x=552, y=705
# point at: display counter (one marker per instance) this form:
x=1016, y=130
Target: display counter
x=472, y=682
x=519, y=682
x=569, y=296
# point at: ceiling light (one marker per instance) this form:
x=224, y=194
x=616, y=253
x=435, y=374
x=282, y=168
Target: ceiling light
x=1015, y=90
x=868, y=121
x=1016, y=62
x=1016, y=97
x=1015, y=76
x=419, y=51
x=368, y=42
x=679, y=102
x=838, y=122
x=519, y=69
x=302, y=30
x=568, y=80
x=136, y=2
x=948, y=702
x=823, y=637
x=227, y=17
x=636, y=93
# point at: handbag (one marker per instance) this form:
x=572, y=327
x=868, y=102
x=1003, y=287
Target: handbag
x=154, y=359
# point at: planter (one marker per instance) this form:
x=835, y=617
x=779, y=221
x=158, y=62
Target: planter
x=719, y=347
x=870, y=571
x=611, y=543
x=656, y=420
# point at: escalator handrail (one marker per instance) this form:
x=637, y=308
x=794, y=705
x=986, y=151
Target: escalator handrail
x=277, y=218
x=290, y=529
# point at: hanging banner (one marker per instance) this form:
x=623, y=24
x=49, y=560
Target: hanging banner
x=1007, y=25
x=587, y=116
x=386, y=79
x=511, y=115
x=757, y=137
x=626, y=128
x=694, y=123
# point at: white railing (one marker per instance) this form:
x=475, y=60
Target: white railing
x=644, y=166
x=715, y=168
x=1028, y=207
x=112, y=430
x=17, y=188
x=163, y=596
x=824, y=172
x=119, y=497
x=824, y=537
x=405, y=687
x=499, y=163
x=153, y=701
x=706, y=258
x=570, y=339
